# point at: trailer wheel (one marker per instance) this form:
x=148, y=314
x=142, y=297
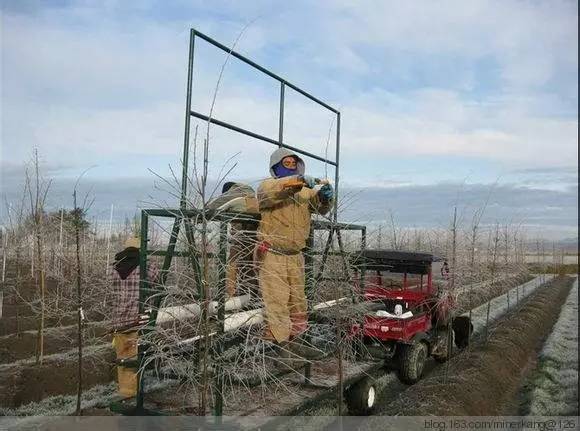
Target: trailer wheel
x=361, y=398
x=412, y=362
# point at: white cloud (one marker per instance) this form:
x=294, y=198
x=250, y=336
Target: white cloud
x=529, y=39
x=444, y=124
x=82, y=83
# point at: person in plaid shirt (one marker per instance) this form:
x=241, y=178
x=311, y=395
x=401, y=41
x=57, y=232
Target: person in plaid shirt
x=125, y=277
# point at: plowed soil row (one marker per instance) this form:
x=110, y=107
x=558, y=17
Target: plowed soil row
x=17, y=347
x=26, y=382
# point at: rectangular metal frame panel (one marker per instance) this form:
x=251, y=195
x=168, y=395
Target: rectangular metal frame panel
x=194, y=34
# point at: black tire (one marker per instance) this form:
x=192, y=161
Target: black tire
x=361, y=397
x=412, y=362
x=462, y=328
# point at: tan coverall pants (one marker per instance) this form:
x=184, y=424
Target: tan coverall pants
x=282, y=286
x=240, y=271
x=126, y=347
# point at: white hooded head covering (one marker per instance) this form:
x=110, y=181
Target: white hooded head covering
x=279, y=154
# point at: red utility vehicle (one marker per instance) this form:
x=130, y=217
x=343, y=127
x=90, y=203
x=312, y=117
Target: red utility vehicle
x=406, y=316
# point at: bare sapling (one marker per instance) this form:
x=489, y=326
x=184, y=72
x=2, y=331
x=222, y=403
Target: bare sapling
x=37, y=192
x=472, y=249
x=493, y=270
x=506, y=258
x=451, y=287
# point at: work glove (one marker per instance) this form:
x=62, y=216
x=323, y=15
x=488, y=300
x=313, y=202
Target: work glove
x=308, y=180
x=326, y=193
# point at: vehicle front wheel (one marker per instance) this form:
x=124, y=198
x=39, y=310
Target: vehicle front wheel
x=412, y=362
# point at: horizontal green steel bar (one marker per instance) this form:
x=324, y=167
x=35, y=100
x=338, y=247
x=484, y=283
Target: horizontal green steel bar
x=262, y=69
x=260, y=137
x=323, y=224
x=335, y=253
x=236, y=216
x=191, y=213
x=175, y=253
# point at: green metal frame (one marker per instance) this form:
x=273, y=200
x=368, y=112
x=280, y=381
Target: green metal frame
x=146, y=290
x=190, y=217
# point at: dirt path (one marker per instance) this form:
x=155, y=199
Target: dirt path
x=485, y=380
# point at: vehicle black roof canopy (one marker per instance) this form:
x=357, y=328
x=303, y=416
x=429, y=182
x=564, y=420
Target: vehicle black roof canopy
x=396, y=261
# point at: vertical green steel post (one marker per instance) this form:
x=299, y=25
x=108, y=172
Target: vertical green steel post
x=221, y=314
x=194, y=257
x=364, y=264
x=165, y=271
x=336, y=169
x=308, y=264
x=184, y=173
x=281, y=115
x=309, y=276
x=194, y=260
x=143, y=293
x=327, y=247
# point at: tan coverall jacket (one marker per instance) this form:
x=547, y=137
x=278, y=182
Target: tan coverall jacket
x=285, y=227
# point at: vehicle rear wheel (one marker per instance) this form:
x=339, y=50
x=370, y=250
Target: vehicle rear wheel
x=412, y=362
x=361, y=398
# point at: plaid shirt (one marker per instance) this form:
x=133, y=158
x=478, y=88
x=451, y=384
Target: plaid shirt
x=126, y=297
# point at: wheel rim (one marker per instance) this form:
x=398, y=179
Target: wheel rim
x=371, y=397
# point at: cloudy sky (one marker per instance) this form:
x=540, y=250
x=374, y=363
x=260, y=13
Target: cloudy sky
x=443, y=103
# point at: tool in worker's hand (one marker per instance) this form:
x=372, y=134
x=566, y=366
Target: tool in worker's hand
x=294, y=183
x=304, y=180
x=311, y=182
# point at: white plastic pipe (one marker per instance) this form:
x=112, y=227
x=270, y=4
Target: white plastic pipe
x=241, y=319
x=232, y=322
x=331, y=303
x=190, y=311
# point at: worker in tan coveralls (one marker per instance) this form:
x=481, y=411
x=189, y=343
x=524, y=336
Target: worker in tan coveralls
x=286, y=203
